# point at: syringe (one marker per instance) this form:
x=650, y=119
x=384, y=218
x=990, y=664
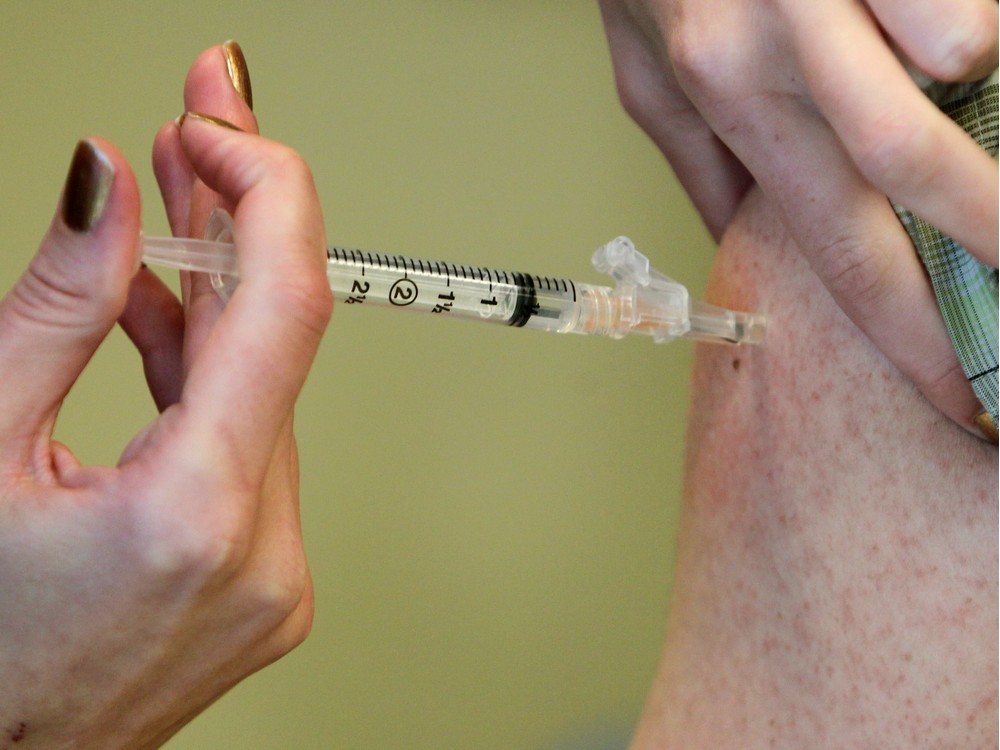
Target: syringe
x=643, y=301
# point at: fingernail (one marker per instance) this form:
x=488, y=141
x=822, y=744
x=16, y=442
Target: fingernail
x=236, y=64
x=87, y=186
x=984, y=421
x=206, y=118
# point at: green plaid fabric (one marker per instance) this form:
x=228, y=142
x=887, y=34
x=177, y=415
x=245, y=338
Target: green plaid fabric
x=966, y=289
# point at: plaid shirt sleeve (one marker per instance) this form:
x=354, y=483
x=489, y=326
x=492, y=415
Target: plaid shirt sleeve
x=966, y=289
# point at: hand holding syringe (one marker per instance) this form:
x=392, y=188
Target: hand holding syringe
x=644, y=300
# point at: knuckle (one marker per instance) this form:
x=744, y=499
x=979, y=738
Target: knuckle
x=192, y=552
x=280, y=591
x=49, y=294
x=640, y=79
x=968, y=45
x=857, y=274
x=192, y=534
x=300, y=626
x=710, y=59
x=695, y=58
x=289, y=164
x=895, y=151
x=307, y=299
x=292, y=633
x=633, y=93
x=274, y=163
x=283, y=606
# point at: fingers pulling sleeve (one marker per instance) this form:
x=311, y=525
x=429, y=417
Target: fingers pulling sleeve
x=966, y=289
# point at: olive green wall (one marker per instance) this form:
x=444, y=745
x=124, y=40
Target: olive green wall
x=490, y=513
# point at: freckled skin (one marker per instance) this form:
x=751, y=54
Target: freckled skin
x=837, y=573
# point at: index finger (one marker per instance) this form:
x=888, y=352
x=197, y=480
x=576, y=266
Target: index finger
x=898, y=138
x=244, y=382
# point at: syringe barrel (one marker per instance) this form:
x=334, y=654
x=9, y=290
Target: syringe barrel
x=447, y=289
x=506, y=297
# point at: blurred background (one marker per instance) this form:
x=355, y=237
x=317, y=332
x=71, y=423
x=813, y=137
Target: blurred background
x=490, y=513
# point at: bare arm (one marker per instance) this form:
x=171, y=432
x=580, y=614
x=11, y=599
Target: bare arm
x=837, y=574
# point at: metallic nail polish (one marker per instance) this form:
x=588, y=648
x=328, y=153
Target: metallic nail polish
x=207, y=118
x=984, y=421
x=236, y=64
x=87, y=186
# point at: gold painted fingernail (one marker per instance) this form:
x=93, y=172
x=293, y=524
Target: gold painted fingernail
x=984, y=421
x=236, y=64
x=207, y=118
x=88, y=184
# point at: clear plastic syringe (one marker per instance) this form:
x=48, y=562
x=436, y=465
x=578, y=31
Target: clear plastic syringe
x=643, y=300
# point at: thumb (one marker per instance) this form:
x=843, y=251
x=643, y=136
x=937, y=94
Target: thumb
x=75, y=287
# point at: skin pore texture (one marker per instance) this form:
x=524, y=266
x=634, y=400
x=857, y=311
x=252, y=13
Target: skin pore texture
x=836, y=579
